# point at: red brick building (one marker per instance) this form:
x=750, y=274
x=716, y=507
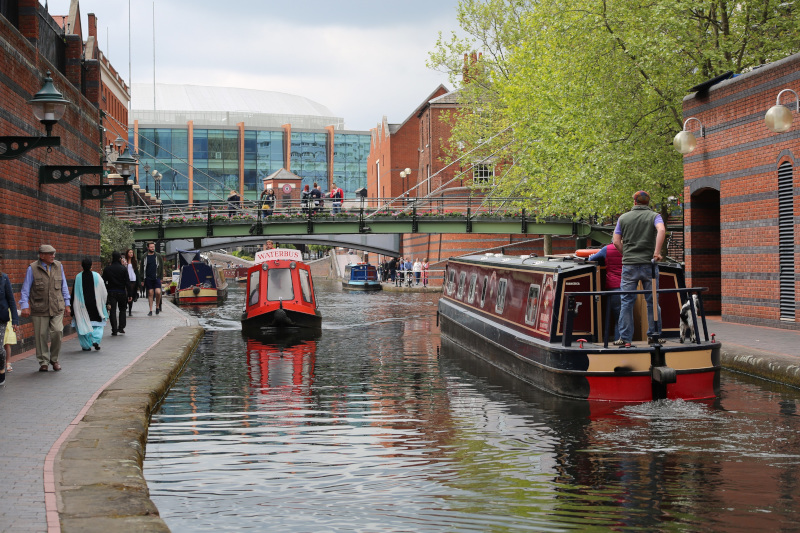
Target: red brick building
x=32, y=213
x=740, y=189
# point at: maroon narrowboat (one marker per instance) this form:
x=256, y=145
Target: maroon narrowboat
x=540, y=319
x=280, y=295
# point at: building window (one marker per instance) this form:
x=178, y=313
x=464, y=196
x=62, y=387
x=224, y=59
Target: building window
x=483, y=174
x=786, y=241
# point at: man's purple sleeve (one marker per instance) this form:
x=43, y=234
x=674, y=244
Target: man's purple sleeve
x=658, y=220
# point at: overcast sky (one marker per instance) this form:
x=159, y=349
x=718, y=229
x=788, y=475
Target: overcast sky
x=361, y=58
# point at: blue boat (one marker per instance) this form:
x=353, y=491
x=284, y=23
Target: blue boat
x=361, y=277
x=199, y=282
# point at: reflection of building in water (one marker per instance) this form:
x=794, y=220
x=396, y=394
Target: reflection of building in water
x=420, y=336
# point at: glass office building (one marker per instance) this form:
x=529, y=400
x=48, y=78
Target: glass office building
x=203, y=152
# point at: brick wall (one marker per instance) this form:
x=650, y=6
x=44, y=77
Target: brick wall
x=730, y=190
x=30, y=213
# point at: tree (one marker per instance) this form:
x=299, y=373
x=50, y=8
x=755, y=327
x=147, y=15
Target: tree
x=114, y=235
x=592, y=90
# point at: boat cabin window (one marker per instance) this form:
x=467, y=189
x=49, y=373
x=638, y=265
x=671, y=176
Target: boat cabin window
x=483, y=290
x=305, y=285
x=473, y=279
x=501, y=296
x=461, y=279
x=253, y=298
x=451, y=281
x=279, y=285
x=533, y=304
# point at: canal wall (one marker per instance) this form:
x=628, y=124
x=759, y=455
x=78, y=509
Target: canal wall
x=99, y=482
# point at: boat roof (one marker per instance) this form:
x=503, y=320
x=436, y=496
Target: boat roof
x=186, y=257
x=557, y=263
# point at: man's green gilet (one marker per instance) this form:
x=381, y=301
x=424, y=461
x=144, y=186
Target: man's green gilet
x=638, y=235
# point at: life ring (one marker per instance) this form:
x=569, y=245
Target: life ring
x=586, y=252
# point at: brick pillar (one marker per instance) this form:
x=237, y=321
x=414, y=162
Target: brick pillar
x=29, y=19
x=73, y=52
x=287, y=146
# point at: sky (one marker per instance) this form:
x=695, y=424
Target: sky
x=362, y=59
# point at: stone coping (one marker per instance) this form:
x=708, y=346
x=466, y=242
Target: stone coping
x=99, y=481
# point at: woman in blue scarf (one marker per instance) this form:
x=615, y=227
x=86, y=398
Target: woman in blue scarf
x=89, y=307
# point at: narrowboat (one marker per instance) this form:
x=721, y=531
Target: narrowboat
x=361, y=277
x=542, y=321
x=237, y=274
x=280, y=296
x=199, y=282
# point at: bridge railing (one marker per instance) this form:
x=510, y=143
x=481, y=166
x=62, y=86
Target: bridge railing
x=460, y=206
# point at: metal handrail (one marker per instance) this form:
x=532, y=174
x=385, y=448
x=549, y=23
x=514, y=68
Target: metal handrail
x=566, y=339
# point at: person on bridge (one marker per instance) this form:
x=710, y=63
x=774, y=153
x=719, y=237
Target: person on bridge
x=316, y=198
x=305, y=197
x=267, y=202
x=417, y=268
x=233, y=200
x=639, y=235
x=337, y=195
x=89, y=309
x=151, y=273
x=45, y=287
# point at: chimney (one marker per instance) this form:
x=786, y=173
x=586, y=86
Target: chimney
x=470, y=66
x=92, y=19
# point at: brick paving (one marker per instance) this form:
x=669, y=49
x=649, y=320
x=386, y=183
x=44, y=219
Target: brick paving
x=37, y=407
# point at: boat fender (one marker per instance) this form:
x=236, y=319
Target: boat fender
x=664, y=374
x=196, y=290
x=586, y=252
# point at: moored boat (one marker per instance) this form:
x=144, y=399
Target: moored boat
x=361, y=277
x=280, y=295
x=238, y=274
x=540, y=319
x=199, y=282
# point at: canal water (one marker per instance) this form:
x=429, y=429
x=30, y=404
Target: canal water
x=374, y=426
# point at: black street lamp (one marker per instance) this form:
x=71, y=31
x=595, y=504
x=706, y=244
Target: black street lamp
x=49, y=106
x=157, y=179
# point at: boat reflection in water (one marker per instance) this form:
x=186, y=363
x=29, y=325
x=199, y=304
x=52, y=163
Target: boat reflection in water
x=284, y=366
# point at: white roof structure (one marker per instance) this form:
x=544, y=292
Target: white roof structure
x=225, y=107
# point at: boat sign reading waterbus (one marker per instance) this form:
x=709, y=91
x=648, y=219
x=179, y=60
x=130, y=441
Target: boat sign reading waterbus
x=278, y=253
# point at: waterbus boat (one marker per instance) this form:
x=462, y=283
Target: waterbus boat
x=199, y=282
x=539, y=319
x=280, y=295
x=361, y=277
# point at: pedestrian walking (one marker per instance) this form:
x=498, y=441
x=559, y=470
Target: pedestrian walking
x=89, y=314
x=45, y=298
x=133, y=278
x=116, y=278
x=151, y=272
x=639, y=235
x=8, y=308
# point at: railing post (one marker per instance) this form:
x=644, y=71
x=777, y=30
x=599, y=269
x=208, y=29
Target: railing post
x=414, y=221
x=524, y=227
x=209, y=226
x=469, y=219
x=161, y=222
x=310, y=220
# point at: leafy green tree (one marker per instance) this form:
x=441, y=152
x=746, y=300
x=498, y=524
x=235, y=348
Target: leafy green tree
x=114, y=235
x=582, y=99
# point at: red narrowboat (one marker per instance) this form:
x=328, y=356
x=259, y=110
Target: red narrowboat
x=541, y=320
x=280, y=295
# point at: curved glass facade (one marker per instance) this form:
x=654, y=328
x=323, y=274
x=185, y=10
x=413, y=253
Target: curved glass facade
x=216, y=160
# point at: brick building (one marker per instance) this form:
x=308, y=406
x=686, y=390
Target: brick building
x=32, y=213
x=740, y=185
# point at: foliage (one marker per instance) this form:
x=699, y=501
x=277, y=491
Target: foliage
x=114, y=235
x=580, y=100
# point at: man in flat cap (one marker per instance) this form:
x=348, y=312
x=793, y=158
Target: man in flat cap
x=45, y=298
x=639, y=235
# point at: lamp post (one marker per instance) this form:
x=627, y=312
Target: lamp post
x=49, y=106
x=779, y=117
x=405, y=174
x=146, y=171
x=685, y=141
x=157, y=179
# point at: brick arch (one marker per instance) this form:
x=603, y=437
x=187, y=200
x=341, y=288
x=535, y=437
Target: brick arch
x=706, y=182
x=703, y=243
x=785, y=156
